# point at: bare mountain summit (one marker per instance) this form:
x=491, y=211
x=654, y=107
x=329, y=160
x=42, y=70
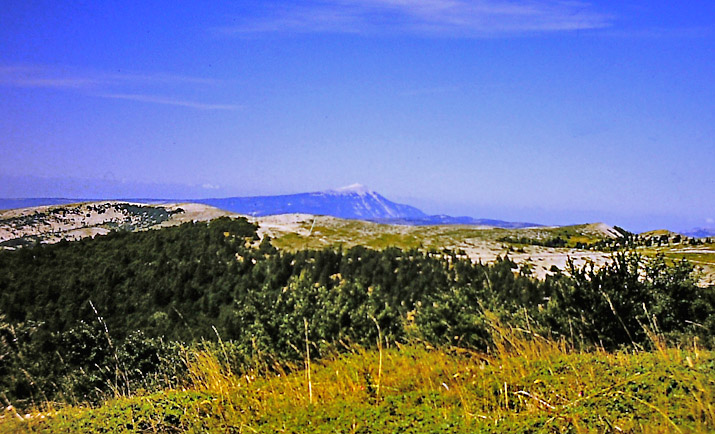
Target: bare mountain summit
x=352, y=202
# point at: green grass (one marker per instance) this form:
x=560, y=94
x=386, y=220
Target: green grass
x=383, y=241
x=526, y=385
x=703, y=257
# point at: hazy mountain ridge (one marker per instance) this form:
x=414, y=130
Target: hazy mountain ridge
x=18, y=203
x=700, y=232
x=442, y=219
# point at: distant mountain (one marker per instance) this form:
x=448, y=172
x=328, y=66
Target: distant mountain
x=701, y=233
x=463, y=220
x=32, y=202
x=352, y=202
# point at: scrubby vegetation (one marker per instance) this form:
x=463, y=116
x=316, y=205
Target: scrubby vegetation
x=551, y=242
x=131, y=314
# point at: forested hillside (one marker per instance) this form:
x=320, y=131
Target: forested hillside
x=78, y=319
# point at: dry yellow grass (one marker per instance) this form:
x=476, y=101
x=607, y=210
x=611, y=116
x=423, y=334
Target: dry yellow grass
x=526, y=384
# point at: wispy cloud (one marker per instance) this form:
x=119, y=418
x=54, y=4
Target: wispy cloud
x=33, y=76
x=451, y=18
x=170, y=101
x=111, y=84
x=161, y=78
x=61, y=77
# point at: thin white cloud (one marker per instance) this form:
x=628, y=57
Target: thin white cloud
x=58, y=77
x=170, y=101
x=116, y=85
x=33, y=76
x=161, y=78
x=72, y=83
x=451, y=18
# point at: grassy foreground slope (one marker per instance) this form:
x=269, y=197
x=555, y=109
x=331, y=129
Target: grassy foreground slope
x=525, y=385
x=196, y=327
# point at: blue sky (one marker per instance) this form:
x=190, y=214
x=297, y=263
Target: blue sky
x=549, y=111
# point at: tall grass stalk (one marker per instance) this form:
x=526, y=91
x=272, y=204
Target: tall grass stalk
x=307, y=362
x=379, y=348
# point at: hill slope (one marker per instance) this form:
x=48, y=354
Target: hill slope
x=53, y=223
